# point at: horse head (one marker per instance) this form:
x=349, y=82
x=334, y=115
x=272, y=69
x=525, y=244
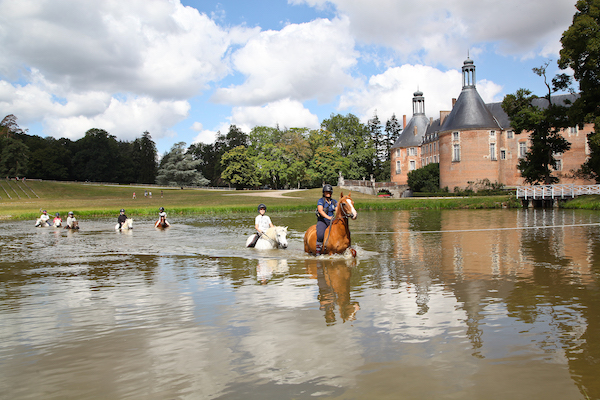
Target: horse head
x=281, y=233
x=347, y=206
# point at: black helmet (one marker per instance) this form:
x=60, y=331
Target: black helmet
x=161, y=209
x=122, y=210
x=327, y=188
x=57, y=214
x=261, y=205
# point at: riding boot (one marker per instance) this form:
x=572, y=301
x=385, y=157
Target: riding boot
x=319, y=248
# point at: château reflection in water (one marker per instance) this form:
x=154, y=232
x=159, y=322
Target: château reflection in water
x=439, y=303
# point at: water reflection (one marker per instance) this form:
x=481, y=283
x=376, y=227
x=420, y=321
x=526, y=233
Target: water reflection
x=462, y=304
x=333, y=279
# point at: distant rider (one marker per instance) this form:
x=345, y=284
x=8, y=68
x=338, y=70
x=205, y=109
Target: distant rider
x=57, y=221
x=162, y=219
x=43, y=219
x=325, y=212
x=71, y=221
x=122, y=218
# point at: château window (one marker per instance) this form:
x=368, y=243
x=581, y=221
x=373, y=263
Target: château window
x=509, y=134
x=398, y=152
x=455, y=136
x=398, y=168
x=456, y=152
x=492, y=133
x=493, y=151
x=503, y=154
x=412, y=151
x=413, y=165
x=573, y=130
x=558, y=165
x=522, y=149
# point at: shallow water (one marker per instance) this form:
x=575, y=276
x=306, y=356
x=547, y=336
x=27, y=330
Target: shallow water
x=490, y=304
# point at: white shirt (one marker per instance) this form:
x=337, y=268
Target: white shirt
x=263, y=222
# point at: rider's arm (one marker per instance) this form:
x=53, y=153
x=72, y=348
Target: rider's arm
x=322, y=213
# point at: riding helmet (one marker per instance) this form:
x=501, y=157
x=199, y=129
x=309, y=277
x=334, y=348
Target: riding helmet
x=122, y=210
x=57, y=214
x=70, y=212
x=327, y=188
x=161, y=209
x=261, y=205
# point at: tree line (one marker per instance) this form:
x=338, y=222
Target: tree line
x=265, y=156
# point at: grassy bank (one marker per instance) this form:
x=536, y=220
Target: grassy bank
x=91, y=200
x=591, y=202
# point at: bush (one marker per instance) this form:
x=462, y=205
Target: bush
x=425, y=179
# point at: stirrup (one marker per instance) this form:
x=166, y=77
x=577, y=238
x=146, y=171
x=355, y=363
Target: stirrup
x=318, y=249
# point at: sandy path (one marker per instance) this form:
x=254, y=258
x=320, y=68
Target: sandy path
x=269, y=193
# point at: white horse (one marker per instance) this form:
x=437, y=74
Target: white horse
x=273, y=238
x=39, y=223
x=128, y=224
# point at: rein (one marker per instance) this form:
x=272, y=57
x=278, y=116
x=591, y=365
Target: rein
x=274, y=242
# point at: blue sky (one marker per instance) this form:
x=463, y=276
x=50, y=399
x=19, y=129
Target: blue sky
x=185, y=69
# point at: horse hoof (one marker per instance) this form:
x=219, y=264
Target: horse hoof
x=353, y=252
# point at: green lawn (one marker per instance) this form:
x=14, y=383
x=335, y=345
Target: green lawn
x=95, y=200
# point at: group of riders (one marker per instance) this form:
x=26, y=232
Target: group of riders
x=72, y=223
x=326, y=207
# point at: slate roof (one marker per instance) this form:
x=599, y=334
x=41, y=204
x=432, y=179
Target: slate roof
x=408, y=138
x=469, y=112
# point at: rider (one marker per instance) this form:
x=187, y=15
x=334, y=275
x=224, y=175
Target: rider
x=44, y=218
x=262, y=222
x=57, y=221
x=162, y=218
x=122, y=218
x=325, y=211
x=71, y=221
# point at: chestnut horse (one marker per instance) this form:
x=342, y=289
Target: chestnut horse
x=337, y=235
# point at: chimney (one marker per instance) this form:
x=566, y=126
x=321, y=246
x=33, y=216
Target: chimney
x=453, y=102
x=404, y=121
x=430, y=121
x=443, y=115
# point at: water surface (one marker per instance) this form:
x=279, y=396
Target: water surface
x=489, y=304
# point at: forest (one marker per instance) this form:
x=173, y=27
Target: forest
x=264, y=157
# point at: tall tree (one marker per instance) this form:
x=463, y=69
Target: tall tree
x=581, y=52
x=354, y=142
x=14, y=154
x=144, y=154
x=239, y=169
x=545, y=124
x=378, y=144
x=178, y=168
x=392, y=133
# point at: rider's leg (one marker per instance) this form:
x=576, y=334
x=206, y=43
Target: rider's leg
x=321, y=227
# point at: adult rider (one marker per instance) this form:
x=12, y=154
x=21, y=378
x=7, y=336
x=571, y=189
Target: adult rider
x=325, y=212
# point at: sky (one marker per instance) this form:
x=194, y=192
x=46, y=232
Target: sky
x=185, y=70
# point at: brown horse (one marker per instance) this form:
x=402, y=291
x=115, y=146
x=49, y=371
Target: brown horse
x=337, y=235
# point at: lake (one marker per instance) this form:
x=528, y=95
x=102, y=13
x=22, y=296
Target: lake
x=446, y=304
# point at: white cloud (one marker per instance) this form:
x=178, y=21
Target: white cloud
x=441, y=32
x=286, y=113
x=196, y=126
x=301, y=61
x=127, y=119
x=392, y=92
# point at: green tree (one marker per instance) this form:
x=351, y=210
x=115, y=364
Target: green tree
x=144, y=155
x=378, y=141
x=178, y=168
x=238, y=168
x=14, y=154
x=354, y=142
x=544, y=125
x=210, y=154
x=581, y=52
x=425, y=179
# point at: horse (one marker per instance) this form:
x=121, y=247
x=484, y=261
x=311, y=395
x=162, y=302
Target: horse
x=162, y=223
x=273, y=238
x=337, y=235
x=39, y=223
x=128, y=224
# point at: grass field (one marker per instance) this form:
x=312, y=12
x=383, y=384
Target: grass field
x=97, y=200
